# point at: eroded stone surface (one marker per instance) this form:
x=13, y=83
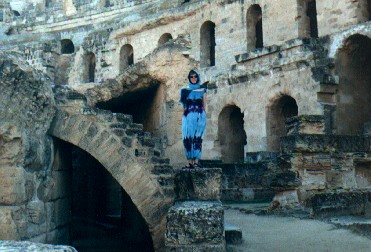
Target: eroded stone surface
x=33, y=247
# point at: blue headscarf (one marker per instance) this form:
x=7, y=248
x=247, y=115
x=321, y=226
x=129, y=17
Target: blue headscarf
x=184, y=92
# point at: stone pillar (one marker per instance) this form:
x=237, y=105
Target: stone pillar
x=196, y=221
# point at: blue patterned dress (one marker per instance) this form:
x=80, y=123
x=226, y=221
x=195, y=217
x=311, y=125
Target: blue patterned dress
x=193, y=120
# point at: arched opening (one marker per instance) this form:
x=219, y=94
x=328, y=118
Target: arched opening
x=67, y=46
x=102, y=215
x=280, y=110
x=231, y=134
x=1, y=15
x=144, y=105
x=48, y=3
x=164, y=39
x=307, y=18
x=207, y=36
x=352, y=64
x=126, y=57
x=16, y=13
x=254, y=23
x=89, y=67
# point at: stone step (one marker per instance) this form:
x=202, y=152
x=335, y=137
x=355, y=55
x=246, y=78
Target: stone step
x=233, y=234
x=160, y=160
x=168, y=191
x=357, y=224
x=123, y=118
x=163, y=169
x=166, y=179
x=118, y=126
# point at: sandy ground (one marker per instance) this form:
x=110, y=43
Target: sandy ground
x=274, y=233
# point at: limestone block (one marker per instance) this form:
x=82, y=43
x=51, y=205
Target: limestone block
x=311, y=161
x=342, y=162
x=233, y=234
x=11, y=145
x=12, y=185
x=13, y=223
x=305, y=124
x=288, y=198
x=195, y=222
x=340, y=203
x=198, y=184
x=27, y=246
x=313, y=180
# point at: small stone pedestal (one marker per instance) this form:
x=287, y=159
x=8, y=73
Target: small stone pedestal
x=196, y=221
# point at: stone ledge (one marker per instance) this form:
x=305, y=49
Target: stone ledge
x=194, y=248
x=324, y=143
x=198, y=184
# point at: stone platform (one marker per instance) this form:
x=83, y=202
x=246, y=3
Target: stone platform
x=33, y=247
x=196, y=221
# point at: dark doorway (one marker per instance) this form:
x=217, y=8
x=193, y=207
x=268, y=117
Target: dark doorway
x=353, y=101
x=280, y=110
x=144, y=105
x=104, y=218
x=231, y=134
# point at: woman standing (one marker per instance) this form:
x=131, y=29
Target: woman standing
x=193, y=99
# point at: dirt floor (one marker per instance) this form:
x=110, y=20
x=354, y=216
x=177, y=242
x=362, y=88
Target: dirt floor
x=276, y=233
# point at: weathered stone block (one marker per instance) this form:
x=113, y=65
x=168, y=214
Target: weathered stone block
x=313, y=180
x=233, y=234
x=311, y=161
x=340, y=203
x=13, y=223
x=31, y=246
x=288, y=198
x=195, y=222
x=12, y=185
x=196, y=248
x=305, y=124
x=198, y=184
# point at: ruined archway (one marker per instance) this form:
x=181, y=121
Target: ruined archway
x=231, y=134
x=102, y=215
x=207, y=37
x=126, y=57
x=353, y=99
x=118, y=156
x=64, y=62
x=254, y=23
x=166, y=37
x=280, y=109
x=67, y=46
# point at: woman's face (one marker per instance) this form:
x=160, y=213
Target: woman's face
x=193, y=78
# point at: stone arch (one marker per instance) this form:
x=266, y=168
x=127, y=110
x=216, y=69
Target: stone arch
x=207, y=41
x=307, y=22
x=254, y=23
x=166, y=37
x=89, y=64
x=87, y=133
x=353, y=98
x=67, y=46
x=126, y=57
x=231, y=134
x=280, y=109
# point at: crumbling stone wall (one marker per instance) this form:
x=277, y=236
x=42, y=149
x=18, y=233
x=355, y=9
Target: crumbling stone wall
x=27, y=207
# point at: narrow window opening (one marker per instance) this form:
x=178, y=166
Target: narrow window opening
x=126, y=57
x=90, y=63
x=207, y=44
x=67, y=46
x=165, y=38
x=254, y=23
x=312, y=14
